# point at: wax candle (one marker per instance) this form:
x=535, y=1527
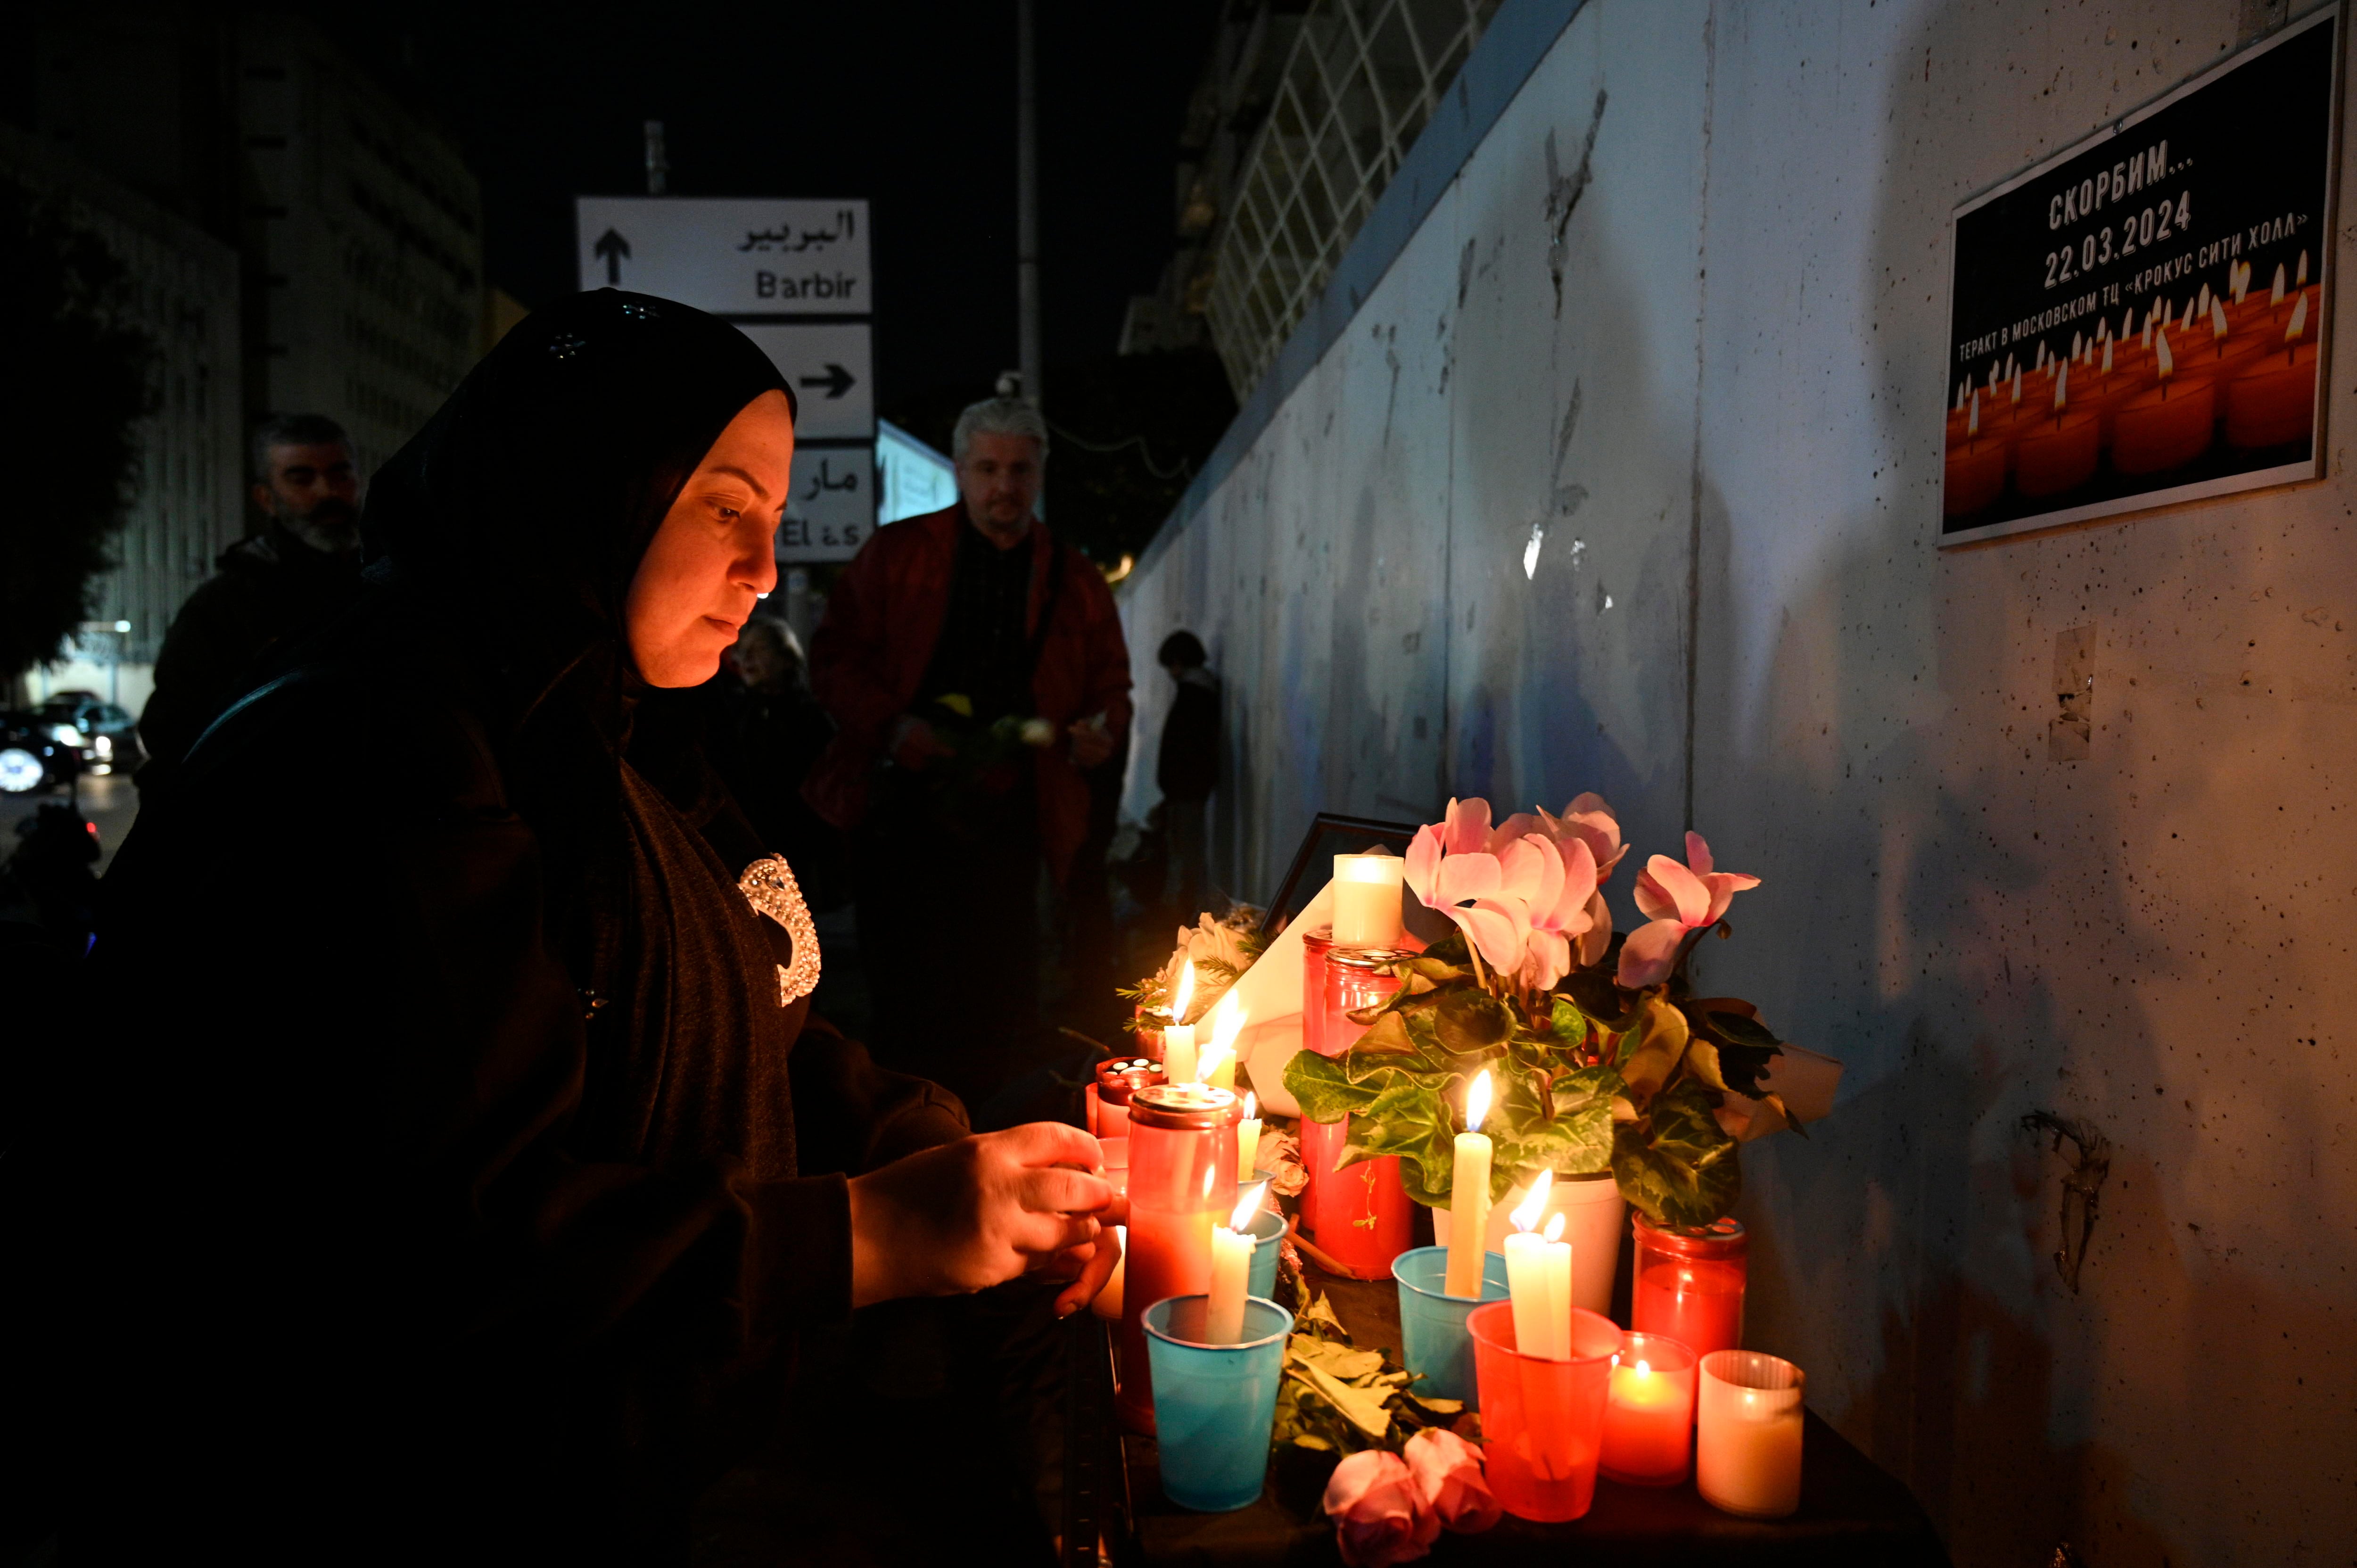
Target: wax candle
x=2057, y=454
x=1538, y=1277
x=1748, y=1434
x=1367, y=900
x=1219, y=1068
x=1248, y=1139
x=1107, y=1304
x=1231, y=1255
x=1649, y=1411
x=1468, y=1196
x=1178, y=1036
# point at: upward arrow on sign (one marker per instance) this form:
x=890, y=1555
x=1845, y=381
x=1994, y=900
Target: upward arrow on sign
x=837, y=381
x=611, y=249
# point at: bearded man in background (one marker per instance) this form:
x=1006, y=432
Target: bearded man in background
x=304, y=565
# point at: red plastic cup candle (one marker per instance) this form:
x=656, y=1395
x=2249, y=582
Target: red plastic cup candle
x=1469, y=1197
x=1543, y=1417
x=1182, y=1183
x=1649, y=1413
x=1689, y=1284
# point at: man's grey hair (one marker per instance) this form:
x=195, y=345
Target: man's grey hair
x=292, y=430
x=999, y=416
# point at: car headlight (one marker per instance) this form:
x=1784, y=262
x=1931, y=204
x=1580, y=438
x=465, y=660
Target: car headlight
x=104, y=747
x=20, y=770
x=65, y=735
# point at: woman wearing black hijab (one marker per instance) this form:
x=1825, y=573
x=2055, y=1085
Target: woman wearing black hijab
x=475, y=1159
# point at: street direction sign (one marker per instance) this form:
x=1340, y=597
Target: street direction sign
x=828, y=365
x=732, y=256
x=833, y=509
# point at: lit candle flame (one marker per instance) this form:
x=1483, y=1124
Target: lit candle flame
x=2017, y=386
x=1207, y=1065
x=2204, y=305
x=1227, y=1023
x=1972, y=425
x=1527, y=1214
x=1241, y=1220
x=1477, y=1102
x=1554, y=1232
x=1642, y=1371
x=2298, y=321
x=2077, y=346
x=2148, y=329
x=1961, y=388
x=2276, y=297
x=1252, y=1105
x=1183, y=992
x=2107, y=356
x=2168, y=359
x=2062, y=391
x=2301, y=280
x=2218, y=320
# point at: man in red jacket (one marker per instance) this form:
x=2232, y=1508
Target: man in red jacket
x=977, y=676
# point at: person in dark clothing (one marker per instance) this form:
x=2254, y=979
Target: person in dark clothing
x=267, y=587
x=477, y=1217
x=1187, y=767
x=766, y=732
x=976, y=673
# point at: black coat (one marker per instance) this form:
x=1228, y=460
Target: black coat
x=471, y=1180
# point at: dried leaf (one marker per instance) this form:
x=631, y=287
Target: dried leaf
x=1365, y=1408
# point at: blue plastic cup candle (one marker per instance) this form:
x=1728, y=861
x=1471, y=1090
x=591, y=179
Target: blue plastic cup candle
x=1432, y=1322
x=1267, y=1228
x=1214, y=1405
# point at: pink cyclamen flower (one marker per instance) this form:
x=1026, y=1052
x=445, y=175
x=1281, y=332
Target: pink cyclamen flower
x=1561, y=910
x=1448, y=1474
x=1675, y=899
x=1487, y=894
x=1379, y=1515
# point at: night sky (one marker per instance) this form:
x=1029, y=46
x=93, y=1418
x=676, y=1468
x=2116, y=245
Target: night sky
x=912, y=107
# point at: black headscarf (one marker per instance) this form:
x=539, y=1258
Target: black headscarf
x=521, y=512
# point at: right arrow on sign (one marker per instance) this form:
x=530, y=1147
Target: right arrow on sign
x=837, y=381
x=611, y=249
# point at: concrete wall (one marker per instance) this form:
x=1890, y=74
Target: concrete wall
x=1714, y=373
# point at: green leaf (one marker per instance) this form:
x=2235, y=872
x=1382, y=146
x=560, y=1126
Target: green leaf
x=1675, y=1162
x=1469, y=1020
x=1388, y=1036
x=1409, y=1119
x=1323, y=1087
x=1593, y=993
x=1366, y=1409
x=1745, y=1047
x=1569, y=1022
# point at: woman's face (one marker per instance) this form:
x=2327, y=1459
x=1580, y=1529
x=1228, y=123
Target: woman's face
x=713, y=557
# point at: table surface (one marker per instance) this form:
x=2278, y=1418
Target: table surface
x=1851, y=1509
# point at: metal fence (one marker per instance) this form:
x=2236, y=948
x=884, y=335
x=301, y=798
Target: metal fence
x=1363, y=77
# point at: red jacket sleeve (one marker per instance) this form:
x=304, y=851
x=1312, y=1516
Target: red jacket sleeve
x=849, y=660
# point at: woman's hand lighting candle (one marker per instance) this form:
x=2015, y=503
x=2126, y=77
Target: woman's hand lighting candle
x=1231, y=1255
x=1178, y=1038
x=1248, y=1140
x=1367, y=900
x=1538, y=1278
x=1469, y=1197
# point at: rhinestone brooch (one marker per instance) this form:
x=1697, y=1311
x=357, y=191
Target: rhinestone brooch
x=769, y=886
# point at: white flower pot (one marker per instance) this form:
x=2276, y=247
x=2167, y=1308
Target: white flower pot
x=1592, y=1209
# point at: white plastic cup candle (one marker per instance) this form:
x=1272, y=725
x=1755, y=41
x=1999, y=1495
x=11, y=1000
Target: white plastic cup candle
x=1748, y=1434
x=1232, y=1254
x=1367, y=900
x=1468, y=1197
x=1538, y=1278
x=1248, y=1138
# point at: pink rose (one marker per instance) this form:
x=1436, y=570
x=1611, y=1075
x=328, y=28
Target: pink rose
x=1379, y=1515
x=1448, y=1474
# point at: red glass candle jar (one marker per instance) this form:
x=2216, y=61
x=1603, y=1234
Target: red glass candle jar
x=1314, y=946
x=1182, y=1181
x=1689, y=1284
x=1117, y=1080
x=1360, y=1216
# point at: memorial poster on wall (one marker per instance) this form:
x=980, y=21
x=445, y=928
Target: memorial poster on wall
x=2139, y=320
